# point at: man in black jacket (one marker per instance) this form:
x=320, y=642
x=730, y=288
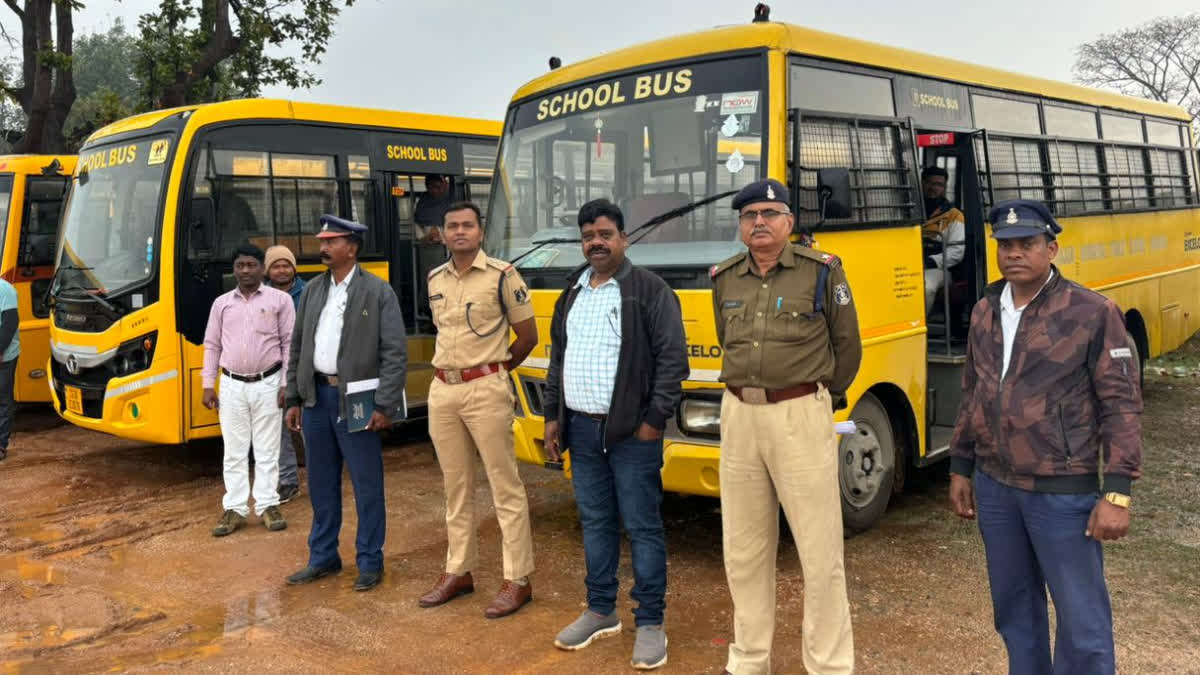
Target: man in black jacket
x=617, y=359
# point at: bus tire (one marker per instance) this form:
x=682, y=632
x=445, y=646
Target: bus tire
x=866, y=466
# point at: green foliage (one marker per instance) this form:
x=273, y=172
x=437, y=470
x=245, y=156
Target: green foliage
x=196, y=51
x=104, y=78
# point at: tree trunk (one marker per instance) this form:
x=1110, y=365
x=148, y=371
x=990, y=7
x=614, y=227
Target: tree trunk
x=48, y=91
x=221, y=44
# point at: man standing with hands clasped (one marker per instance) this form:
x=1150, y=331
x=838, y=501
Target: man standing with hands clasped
x=787, y=322
x=349, y=335
x=475, y=300
x=617, y=358
x=248, y=337
x=1051, y=400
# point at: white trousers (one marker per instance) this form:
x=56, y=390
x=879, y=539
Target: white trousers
x=249, y=412
x=934, y=277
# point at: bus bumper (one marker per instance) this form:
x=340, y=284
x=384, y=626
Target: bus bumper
x=141, y=407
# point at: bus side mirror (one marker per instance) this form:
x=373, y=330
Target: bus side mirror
x=202, y=220
x=833, y=193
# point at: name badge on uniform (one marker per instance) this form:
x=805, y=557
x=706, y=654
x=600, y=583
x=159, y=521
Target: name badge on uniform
x=731, y=304
x=435, y=297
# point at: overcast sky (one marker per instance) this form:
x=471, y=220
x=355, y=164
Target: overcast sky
x=467, y=58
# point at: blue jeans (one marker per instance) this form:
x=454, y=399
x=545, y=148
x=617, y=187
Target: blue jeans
x=623, y=481
x=1034, y=540
x=329, y=444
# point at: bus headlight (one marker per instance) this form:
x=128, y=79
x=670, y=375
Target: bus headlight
x=134, y=355
x=700, y=416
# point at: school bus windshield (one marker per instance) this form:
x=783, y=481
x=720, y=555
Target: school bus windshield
x=110, y=223
x=651, y=142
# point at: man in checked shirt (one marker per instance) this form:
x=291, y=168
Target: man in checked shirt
x=617, y=361
x=248, y=338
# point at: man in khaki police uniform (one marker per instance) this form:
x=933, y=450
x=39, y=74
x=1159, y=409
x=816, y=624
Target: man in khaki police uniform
x=787, y=324
x=474, y=300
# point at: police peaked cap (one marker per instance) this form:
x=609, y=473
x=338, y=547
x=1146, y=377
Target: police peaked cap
x=1017, y=218
x=766, y=190
x=332, y=226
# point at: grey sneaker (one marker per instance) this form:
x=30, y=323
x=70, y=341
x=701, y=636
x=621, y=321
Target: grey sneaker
x=589, y=626
x=273, y=520
x=230, y=521
x=650, y=648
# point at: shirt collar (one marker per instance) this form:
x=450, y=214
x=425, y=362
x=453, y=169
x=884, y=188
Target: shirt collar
x=257, y=291
x=345, y=282
x=787, y=258
x=1006, y=296
x=586, y=277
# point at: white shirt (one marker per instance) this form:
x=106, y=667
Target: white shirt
x=593, y=346
x=328, y=337
x=1010, y=319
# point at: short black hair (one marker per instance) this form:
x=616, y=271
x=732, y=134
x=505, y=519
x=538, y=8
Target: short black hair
x=597, y=208
x=250, y=250
x=930, y=171
x=464, y=205
x=356, y=239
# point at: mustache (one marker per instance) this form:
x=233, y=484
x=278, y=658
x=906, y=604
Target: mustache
x=598, y=247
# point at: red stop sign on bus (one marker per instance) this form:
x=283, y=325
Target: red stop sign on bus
x=934, y=140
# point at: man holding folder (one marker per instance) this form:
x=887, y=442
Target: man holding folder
x=348, y=341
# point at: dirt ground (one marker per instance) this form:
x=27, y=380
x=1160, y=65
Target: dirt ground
x=106, y=563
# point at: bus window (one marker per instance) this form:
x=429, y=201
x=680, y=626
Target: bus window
x=6, y=184
x=358, y=171
x=876, y=157
x=305, y=189
x=479, y=162
x=40, y=232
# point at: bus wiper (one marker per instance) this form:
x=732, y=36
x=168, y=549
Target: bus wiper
x=96, y=294
x=654, y=222
x=540, y=244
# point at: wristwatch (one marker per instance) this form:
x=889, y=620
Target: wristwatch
x=1118, y=499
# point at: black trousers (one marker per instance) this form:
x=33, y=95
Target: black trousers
x=8, y=372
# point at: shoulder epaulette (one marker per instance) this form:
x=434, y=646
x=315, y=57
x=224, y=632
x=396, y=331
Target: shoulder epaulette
x=828, y=259
x=501, y=265
x=437, y=269
x=725, y=264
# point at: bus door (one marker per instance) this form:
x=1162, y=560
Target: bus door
x=949, y=319
x=44, y=196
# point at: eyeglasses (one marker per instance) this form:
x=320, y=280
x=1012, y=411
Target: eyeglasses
x=769, y=215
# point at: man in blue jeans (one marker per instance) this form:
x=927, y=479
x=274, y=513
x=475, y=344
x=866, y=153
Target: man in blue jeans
x=1050, y=429
x=616, y=363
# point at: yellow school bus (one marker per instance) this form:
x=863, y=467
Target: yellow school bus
x=32, y=188
x=159, y=202
x=681, y=123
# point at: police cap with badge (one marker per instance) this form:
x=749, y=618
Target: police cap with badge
x=766, y=190
x=332, y=226
x=1019, y=218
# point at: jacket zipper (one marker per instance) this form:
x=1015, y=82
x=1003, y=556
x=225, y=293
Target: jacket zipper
x=1062, y=427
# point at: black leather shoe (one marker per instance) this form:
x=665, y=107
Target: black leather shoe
x=310, y=574
x=367, y=580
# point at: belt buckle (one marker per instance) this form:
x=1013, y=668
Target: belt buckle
x=754, y=395
x=453, y=376
x=332, y=380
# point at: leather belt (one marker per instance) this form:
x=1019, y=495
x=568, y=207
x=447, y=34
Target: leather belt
x=598, y=418
x=327, y=380
x=759, y=396
x=467, y=374
x=257, y=377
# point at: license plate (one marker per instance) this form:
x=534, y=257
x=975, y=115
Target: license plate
x=75, y=400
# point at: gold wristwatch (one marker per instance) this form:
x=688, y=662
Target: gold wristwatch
x=1118, y=499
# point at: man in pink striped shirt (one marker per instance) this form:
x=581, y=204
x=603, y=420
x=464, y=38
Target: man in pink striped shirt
x=248, y=338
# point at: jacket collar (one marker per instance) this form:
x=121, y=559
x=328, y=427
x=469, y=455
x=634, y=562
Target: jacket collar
x=787, y=258
x=622, y=273
x=994, y=289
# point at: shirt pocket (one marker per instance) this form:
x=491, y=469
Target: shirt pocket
x=266, y=322
x=481, y=312
x=737, y=326
x=794, y=321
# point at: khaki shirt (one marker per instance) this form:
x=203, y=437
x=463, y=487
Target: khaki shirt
x=472, y=328
x=772, y=332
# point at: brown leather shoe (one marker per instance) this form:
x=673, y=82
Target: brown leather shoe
x=448, y=587
x=512, y=596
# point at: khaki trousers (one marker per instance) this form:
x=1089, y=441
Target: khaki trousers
x=465, y=419
x=783, y=454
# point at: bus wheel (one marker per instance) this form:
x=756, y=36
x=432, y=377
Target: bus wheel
x=866, y=466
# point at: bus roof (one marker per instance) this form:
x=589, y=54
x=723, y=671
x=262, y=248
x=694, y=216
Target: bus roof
x=805, y=41
x=33, y=164
x=265, y=108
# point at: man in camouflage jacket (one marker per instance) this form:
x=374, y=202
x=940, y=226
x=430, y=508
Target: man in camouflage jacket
x=1051, y=402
